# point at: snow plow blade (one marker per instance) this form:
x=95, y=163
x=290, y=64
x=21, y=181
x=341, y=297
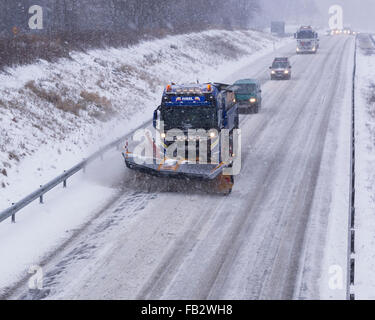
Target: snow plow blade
x=176, y=169
x=212, y=173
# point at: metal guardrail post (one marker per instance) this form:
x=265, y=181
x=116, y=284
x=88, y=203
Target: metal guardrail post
x=41, y=197
x=64, y=182
x=13, y=216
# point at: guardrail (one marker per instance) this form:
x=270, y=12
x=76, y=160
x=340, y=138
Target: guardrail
x=350, y=295
x=62, y=179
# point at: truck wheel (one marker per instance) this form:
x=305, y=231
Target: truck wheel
x=256, y=109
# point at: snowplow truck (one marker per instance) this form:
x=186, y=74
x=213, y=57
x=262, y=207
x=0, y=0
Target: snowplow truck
x=307, y=40
x=194, y=136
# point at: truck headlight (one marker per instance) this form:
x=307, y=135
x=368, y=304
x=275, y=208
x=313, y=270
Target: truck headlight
x=163, y=135
x=273, y=72
x=253, y=100
x=297, y=49
x=212, y=134
x=286, y=71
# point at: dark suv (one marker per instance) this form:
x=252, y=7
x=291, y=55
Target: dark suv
x=281, y=69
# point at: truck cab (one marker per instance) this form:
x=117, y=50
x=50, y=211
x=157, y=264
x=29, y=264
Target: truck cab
x=281, y=69
x=209, y=107
x=307, y=40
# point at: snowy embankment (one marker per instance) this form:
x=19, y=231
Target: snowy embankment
x=54, y=114
x=365, y=170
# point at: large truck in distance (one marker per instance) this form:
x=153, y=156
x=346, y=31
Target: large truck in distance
x=278, y=28
x=307, y=40
x=189, y=127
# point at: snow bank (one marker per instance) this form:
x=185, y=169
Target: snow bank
x=365, y=171
x=54, y=114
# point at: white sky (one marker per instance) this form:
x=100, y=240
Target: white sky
x=359, y=14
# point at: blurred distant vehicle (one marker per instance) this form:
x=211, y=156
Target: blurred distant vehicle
x=278, y=28
x=307, y=40
x=346, y=31
x=248, y=95
x=281, y=69
x=349, y=31
x=335, y=32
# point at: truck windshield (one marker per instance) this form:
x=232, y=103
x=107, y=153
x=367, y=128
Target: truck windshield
x=245, y=88
x=189, y=117
x=305, y=35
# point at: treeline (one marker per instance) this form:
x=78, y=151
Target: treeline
x=138, y=15
x=81, y=24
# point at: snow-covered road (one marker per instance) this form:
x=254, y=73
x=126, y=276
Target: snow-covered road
x=274, y=237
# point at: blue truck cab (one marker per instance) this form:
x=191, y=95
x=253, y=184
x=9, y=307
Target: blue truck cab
x=211, y=107
x=198, y=106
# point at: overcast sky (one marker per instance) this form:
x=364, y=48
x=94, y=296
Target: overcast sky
x=358, y=14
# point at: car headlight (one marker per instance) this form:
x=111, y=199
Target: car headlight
x=286, y=71
x=297, y=49
x=273, y=72
x=253, y=100
x=163, y=135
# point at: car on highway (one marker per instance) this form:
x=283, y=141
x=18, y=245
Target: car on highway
x=281, y=69
x=248, y=95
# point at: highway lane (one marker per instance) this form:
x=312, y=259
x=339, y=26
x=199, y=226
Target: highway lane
x=162, y=240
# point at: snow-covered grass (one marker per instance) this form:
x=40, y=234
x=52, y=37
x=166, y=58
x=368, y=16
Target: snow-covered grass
x=54, y=114
x=365, y=171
